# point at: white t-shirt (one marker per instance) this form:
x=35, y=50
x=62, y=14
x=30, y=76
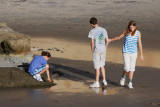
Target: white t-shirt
x=99, y=35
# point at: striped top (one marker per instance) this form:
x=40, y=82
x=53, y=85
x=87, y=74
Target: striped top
x=130, y=43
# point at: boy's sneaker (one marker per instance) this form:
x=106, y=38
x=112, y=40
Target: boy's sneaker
x=122, y=81
x=95, y=85
x=38, y=77
x=130, y=85
x=104, y=82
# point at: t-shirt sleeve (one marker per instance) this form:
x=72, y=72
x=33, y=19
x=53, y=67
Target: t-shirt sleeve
x=91, y=35
x=105, y=34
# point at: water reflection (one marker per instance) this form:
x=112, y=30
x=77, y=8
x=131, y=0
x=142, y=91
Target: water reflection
x=69, y=86
x=102, y=91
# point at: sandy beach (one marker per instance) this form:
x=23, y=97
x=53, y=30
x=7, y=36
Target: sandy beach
x=61, y=27
x=65, y=25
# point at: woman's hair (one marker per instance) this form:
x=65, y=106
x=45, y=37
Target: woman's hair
x=133, y=23
x=45, y=53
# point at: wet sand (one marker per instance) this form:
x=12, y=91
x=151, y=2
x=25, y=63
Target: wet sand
x=72, y=88
x=61, y=27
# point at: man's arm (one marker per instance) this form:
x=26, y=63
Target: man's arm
x=92, y=45
x=107, y=42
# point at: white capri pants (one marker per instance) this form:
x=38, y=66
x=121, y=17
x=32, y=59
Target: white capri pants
x=129, y=61
x=99, y=59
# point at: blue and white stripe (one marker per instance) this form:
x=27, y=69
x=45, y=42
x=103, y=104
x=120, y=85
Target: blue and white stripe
x=130, y=43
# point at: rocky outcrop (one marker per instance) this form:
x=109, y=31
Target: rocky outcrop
x=18, y=77
x=14, y=47
x=13, y=42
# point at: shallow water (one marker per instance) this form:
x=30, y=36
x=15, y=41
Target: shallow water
x=69, y=86
x=75, y=93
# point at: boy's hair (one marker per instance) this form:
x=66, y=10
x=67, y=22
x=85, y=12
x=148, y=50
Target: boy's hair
x=45, y=53
x=93, y=21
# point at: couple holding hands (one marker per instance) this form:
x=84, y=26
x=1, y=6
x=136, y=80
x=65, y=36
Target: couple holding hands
x=100, y=41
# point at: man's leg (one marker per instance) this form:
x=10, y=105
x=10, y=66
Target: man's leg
x=103, y=73
x=104, y=82
x=96, y=83
x=97, y=75
x=96, y=59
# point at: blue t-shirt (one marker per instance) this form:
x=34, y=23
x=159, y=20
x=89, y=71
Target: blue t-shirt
x=36, y=62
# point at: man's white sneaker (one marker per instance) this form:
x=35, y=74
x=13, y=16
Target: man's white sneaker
x=95, y=85
x=122, y=81
x=104, y=82
x=130, y=85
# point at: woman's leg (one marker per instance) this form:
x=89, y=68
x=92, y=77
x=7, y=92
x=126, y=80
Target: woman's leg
x=132, y=66
x=126, y=59
x=131, y=76
x=47, y=71
x=123, y=78
x=124, y=74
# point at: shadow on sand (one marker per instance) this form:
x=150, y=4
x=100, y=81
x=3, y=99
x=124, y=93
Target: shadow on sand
x=83, y=70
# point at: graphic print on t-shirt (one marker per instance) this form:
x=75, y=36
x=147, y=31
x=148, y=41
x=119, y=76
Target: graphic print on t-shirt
x=100, y=38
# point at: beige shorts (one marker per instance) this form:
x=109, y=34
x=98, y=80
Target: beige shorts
x=99, y=59
x=129, y=61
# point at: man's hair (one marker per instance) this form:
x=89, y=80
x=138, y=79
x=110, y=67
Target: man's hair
x=93, y=21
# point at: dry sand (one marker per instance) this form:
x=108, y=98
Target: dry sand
x=81, y=51
x=65, y=25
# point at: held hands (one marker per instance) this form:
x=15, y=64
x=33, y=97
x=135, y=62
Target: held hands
x=108, y=41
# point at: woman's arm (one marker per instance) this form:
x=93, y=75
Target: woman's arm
x=140, y=46
x=117, y=37
x=92, y=45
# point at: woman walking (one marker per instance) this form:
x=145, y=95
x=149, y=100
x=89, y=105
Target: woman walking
x=132, y=38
